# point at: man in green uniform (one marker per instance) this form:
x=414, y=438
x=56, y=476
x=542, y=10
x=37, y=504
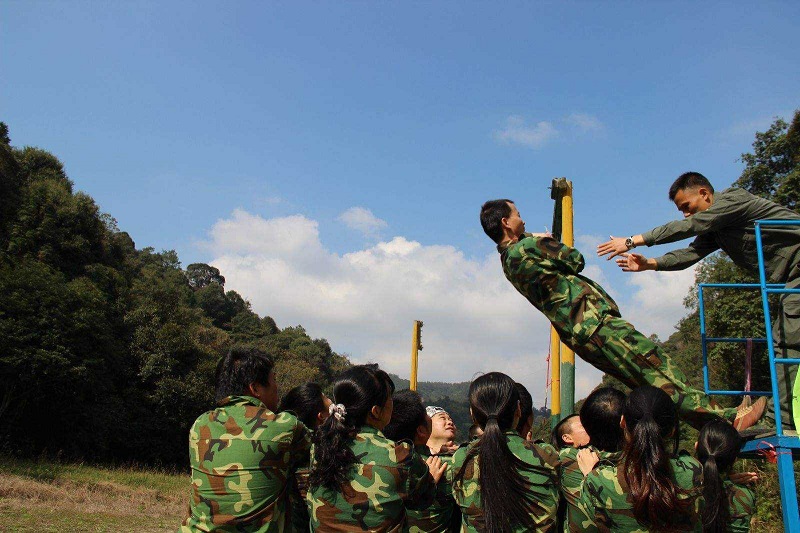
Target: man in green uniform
x=726, y=221
x=241, y=453
x=601, y=411
x=410, y=422
x=587, y=319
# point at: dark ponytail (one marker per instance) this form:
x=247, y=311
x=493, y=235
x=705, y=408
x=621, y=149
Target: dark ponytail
x=493, y=398
x=358, y=389
x=717, y=447
x=650, y=417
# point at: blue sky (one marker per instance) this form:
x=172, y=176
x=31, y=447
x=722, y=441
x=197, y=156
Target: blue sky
x=369, y=134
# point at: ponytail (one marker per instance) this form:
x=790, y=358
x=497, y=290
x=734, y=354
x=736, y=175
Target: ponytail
x=504, y=490
x=717, y=447
x=355, y=392
x=650, y=417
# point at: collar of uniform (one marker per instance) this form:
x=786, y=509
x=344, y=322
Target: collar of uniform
x=503, y=246
x=422, y=449
x=241, y=400
x=366, y=428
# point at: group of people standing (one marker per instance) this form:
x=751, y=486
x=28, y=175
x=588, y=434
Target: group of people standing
x=364, y=460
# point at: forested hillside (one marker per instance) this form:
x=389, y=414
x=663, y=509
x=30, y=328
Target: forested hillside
x=107, y=351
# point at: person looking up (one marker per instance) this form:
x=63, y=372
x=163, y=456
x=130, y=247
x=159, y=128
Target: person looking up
x=310, y=405
x=359, y=479
x=727, y=505
x=569, y=433
x=647, y=488
x=502, y=482
x=410, y=422
x=242, y=452
x=599, y=417
x=443, y=431
x=548, y=274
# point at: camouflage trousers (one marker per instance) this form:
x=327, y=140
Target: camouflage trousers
x=619, y=349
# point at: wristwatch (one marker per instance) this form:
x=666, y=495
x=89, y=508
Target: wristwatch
x=629, y=243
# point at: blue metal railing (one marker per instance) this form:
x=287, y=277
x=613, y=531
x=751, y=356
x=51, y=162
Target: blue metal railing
x=783, y=445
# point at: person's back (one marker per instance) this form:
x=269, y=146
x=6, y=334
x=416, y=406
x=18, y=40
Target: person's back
x=360, y=480
x=241, y=452
x=647, y=489
x=609, y=493
x=502, y=482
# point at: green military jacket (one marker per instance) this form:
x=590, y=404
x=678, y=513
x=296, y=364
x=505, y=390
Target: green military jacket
x=442, y=515
x=729, y=225
x=542, y=478
x=298, y=487
x=241, y=454
x=605, y=497
x=570, y=482
x=741, y=505
x=388, y=478
x=547, y=273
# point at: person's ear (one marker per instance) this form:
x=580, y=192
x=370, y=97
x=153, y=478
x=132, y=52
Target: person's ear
x=695, y=445
x=252, y=389
x=567, y=438
x=471, y=416
x=622, y=422
x=375, y=411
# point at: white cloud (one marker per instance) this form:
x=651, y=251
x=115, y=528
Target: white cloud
x=516, y=131
x=657, y=302
x=365, y=302
x=362, y=220
x=585, y=122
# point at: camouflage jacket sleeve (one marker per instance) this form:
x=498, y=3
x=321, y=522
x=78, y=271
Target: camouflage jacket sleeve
x=421, y=487
x=742, y=506
x=301, y=444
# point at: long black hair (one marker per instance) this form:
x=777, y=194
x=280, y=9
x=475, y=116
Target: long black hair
x=717, y=447
x=494, y=398
x=650, y=418
x=358, y=389
x=306, y=402
x=600, y=416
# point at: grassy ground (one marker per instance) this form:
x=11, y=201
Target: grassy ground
x=43, y=496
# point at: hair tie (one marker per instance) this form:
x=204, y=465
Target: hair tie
x=338, y=411
x=491, y=417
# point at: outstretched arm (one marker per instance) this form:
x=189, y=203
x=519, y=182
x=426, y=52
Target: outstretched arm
x=617, y=245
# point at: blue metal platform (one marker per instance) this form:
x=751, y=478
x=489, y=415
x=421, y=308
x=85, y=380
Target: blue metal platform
x=785, y=447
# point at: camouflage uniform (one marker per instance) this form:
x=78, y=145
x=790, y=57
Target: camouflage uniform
x=605, y=497
x=741, y=504
x=241, y=454
x=587, y=319
x=570, y=482
x=443, y=514
x=388, y=478
x=542, y=487
x=298, y=487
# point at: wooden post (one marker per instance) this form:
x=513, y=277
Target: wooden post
x=416, y=345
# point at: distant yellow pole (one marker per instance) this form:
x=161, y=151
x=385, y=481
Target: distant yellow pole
x=567, y=355
x=555, y=378
x=416, y=345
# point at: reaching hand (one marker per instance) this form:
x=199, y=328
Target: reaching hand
x=614, y=247
x=586, y=460
x=436, y=467
x=633, y=263
x=744, y=478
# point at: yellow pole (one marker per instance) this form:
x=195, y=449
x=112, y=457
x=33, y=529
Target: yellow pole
x=567, y=355
x=555, y=378
x=416, y=345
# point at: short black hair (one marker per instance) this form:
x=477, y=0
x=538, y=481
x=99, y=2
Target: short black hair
x=239, y=368
x=600, y=415
x=525, y=405
x=407, y=415
x=689, y=180
x=562, y=427
x=305, y=401
x=492, y=214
